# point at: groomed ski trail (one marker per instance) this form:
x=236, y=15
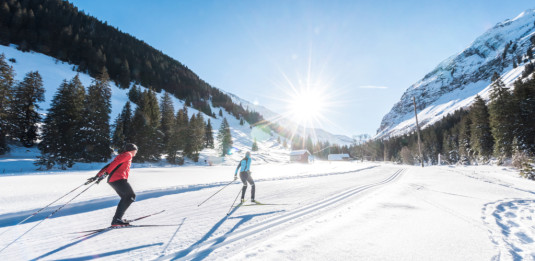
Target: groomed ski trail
x=198, y=251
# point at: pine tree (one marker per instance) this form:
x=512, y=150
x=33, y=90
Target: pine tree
x=450, y=147
x=178, y=138
x=24, y=116
x=224, y=138
x=465, y=149
x=524, y=109
x=6, y=93
x=220, y=113
x=196, y=136
x=167, y=122
x=96, y=131
x=145, y=128
x=60, y=140
x=199, y=135
x=255, y=146
x=430, y=146
x=123, y=128
x=190, y=140
x=501, y=118
x=134, y=94
x=209, y=136
x=481, y=137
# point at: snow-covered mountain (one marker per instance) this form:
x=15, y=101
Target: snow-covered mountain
x=317, y=133
x=455, y=82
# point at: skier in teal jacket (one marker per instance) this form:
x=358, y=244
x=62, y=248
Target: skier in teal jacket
x=245, y=175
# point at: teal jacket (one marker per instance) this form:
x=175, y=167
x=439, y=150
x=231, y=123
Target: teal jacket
x=245, y=165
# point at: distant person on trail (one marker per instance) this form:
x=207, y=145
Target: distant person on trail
x=245, y=176
x=117, y=172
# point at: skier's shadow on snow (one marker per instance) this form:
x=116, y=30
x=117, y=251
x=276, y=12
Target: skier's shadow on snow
x=111, y=253
x=203, y=254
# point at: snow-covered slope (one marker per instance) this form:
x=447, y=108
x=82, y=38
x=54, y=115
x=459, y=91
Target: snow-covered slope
x=317, y=133
x=54, y=72
x=455, y=82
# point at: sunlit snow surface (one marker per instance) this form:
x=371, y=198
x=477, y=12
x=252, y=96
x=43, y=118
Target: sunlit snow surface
x=326, y=211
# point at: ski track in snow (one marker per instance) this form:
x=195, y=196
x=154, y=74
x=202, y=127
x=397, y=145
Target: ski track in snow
x=201, y=250
x=95, y=204
x=481, y=215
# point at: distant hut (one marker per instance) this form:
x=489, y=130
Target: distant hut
x=300, y=156
x=338, y=157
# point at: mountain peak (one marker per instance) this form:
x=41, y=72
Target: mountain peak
x=455, y=82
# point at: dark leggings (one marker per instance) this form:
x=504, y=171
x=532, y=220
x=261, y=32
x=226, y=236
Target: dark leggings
x=245, y=177
x=124, y=190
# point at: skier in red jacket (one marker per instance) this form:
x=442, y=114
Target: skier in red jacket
x=117, y=172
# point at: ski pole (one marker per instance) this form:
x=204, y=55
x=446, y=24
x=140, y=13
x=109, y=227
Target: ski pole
x=234, y=202
x=38, y=211
x=51, y=214
x=215, y=193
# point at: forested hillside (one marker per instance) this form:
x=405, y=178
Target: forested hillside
x=58, y=29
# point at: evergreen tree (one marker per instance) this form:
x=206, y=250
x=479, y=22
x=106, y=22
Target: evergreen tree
x=145, y=128
x=430, y=146
x=60, y=140
x=196, y=136
x=6, y=90
x=199, y=135
x=209, y=136
x=255, y=146
x=524, y=109
x=177, y=140
x=190, y=140
x=96, y=131
x=224, y=138
x=501, y=118
x=450, y=147
x=220, y=113
x=24, y=116
x=134, y=94
x=167, y=123
x=123, y=128
x=480, y=134
x=465, y=149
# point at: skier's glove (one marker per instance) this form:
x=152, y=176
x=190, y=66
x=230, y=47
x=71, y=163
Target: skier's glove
x=91, y=179
x=101, y=177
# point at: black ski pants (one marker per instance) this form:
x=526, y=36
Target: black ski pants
x=124, y=190
x=245, y=177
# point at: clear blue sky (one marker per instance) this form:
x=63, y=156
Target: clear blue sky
x=255, y=49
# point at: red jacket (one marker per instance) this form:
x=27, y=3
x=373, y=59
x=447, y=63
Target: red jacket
x=118, y=168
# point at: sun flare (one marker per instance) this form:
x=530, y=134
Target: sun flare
x=306, y=106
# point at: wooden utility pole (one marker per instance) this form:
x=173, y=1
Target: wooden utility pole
x=418, y=130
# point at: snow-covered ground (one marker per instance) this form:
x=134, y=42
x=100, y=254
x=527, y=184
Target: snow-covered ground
x=320, y=211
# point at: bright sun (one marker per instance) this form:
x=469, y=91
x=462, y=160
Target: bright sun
x=306, y=106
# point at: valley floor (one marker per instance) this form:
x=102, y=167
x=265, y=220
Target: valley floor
x=321, y=211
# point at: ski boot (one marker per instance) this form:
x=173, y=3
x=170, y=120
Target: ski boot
x=119, y=223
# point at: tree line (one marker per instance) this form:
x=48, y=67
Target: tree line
x=77, y=127
x=502, y=131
